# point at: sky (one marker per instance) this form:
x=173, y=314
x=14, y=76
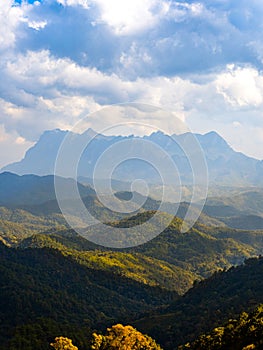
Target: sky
x=201, y=60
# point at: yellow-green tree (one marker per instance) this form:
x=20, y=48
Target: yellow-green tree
x=121, y=337
x=62, y=343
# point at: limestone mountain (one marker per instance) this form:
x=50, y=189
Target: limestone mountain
x=225, y=165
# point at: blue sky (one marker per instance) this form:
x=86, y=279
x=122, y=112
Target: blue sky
x=201, y=60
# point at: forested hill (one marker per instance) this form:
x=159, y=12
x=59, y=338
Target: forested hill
x=44, y=294
x=55, y=282
x=243, y=333
x=208, y=304
x=31, y=189
x=39, y=284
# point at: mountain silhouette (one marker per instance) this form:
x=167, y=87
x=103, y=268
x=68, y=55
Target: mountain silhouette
x=225, y=166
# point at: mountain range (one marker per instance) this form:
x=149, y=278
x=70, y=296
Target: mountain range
x=55, y=282
x=222, y=296
x=33, y=195
x=225, y=166
x=174, y=287
x=33, y=189
x=48, y=289
x=211, y=239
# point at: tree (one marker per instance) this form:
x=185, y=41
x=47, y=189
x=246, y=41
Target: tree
x=62, y=343
x=121, y=337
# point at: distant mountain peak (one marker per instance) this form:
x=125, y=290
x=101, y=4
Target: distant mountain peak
x=54, y=132
x=158, y=132
x=225, y=166
x=158, y=136
x=213, y=135
x=90, y=132
x=213, y=139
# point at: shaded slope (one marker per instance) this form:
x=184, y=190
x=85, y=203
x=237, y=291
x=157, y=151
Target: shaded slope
x=32, y=189
x=135, y=266
x=208, y=304
x=243, y=333
x=42, y=283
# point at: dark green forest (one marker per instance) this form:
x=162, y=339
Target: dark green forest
x=243, y=332
x=45, y=294
x=191, y=290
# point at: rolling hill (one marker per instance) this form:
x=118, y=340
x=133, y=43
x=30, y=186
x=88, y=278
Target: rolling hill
x=43, y=284
x=53, y=280
x=243, y=333
x=207, y=305
x=18, y=190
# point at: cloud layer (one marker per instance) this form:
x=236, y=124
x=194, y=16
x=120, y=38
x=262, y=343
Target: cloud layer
x=201, y=60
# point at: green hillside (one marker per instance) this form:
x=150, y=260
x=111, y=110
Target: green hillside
x=171, y=260
x=39, y=284
x=16, y=224
x=54, y=281
x=135, y=266
x=250, y=200
x=243, y=333
x=44, y=294
x=207, y=305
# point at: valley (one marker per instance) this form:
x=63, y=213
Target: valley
x=151, y=286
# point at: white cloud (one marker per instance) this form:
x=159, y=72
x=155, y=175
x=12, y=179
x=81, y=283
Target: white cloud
x=10, y=17
x=180, y=11
x=83, y=3
x=15, y=144
x=241, y=87
x=245, y=138
x=37, y=25
x=131, y=16
x=57, y=63
x=60, y=90
x=135, y=59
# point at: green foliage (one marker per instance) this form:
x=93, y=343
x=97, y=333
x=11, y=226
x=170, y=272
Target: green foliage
x=243, y=333
x=17, y=224
x=207, y=305
x=59, y=283
x=172, y=260
x=40, y=333
x=135, y=266
x=199, y=250
x=42, y=283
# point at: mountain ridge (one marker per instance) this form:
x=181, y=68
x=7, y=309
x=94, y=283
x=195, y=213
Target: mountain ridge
x=34, y=189
x=225, y=165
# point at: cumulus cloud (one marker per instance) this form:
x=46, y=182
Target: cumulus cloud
x=56, y=89
x=241, y=87
x=15, y=144
x=83, y=3
x=10, y=17
x=142, y=38
x=37, y=25
x=200, y=59
x=131, y=16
